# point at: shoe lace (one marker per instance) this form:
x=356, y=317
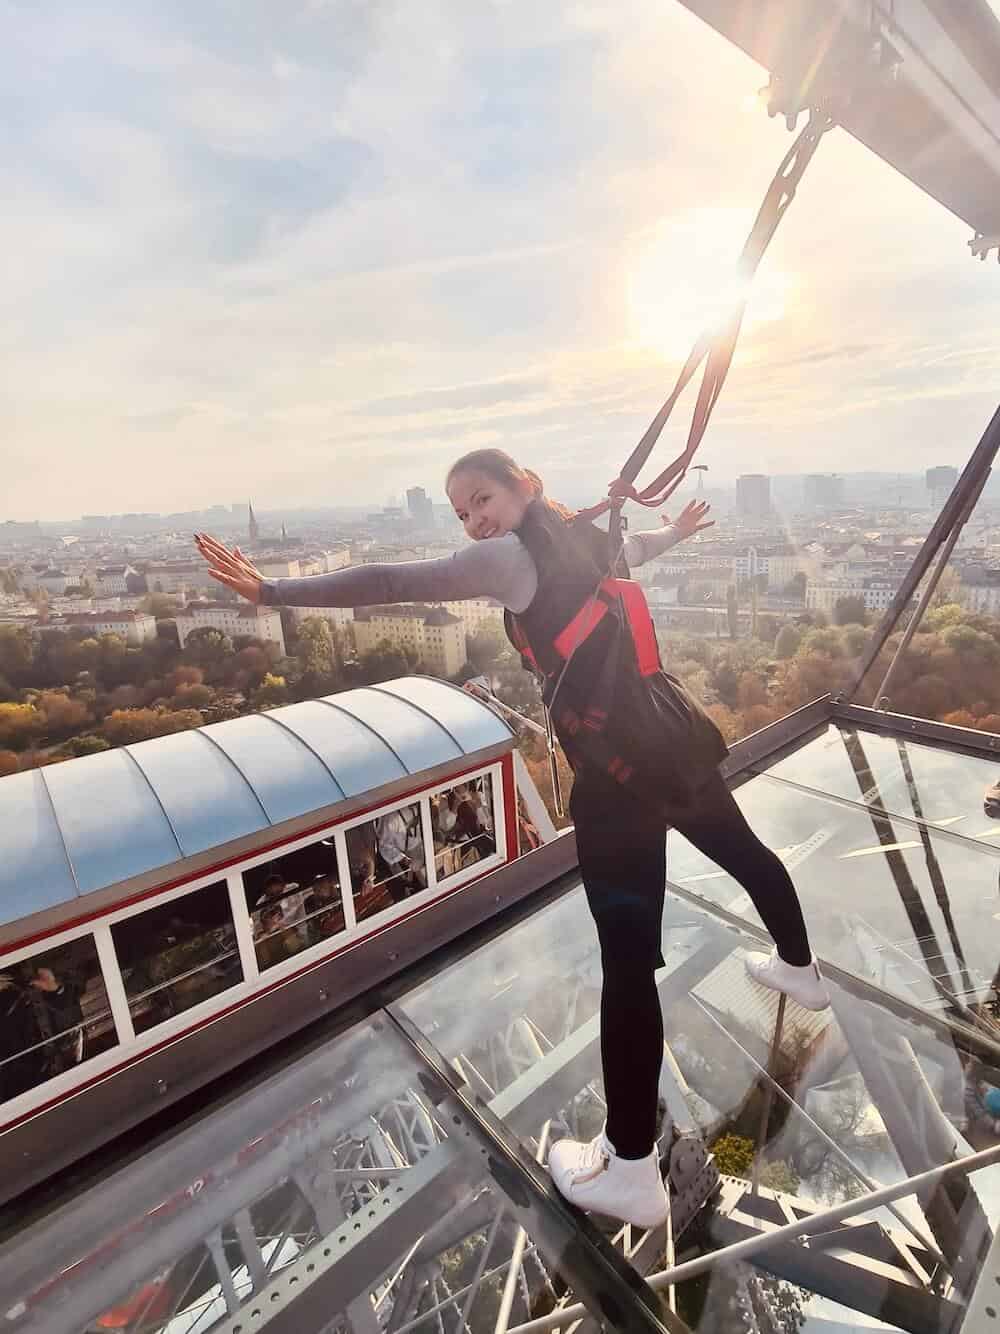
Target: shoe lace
x=594, y=1160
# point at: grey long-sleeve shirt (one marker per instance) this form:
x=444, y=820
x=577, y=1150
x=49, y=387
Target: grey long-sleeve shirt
x=499, y=567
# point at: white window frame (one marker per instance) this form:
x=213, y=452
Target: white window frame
x=130, y=1045
x=321, y=948
x=460, y=878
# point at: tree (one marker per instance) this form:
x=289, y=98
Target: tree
x=207, y=647
x=383, y=663
x=125, y=697
x=193, y=697
x=252, y=665
x=796, y=586
x=183, y=675
x=485, y=650
x=124, y=727
x=316, y=654
x=17, y=654
x=9, y=581
x=732, y=612
x=948, y=589
x=850, y=611
x=88, y=744
x=8, y=763
x=272, y=692
x=61, y=714
x=20, y=724
x=787, y=643
x=112, y=661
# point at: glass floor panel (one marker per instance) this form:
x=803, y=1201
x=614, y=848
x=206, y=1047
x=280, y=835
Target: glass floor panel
x=347, y=1178
x=913, y=908
x=385, y=1180
x=864, y=1098
x=899, y=776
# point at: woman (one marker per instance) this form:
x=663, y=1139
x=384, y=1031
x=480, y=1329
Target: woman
x=547, y=570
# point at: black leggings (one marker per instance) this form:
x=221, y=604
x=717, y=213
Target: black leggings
x=622, y=851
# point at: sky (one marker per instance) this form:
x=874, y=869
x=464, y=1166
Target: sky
x=310, y=252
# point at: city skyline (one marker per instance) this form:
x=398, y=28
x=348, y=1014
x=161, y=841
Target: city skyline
x=913, y=486
x=292, y=258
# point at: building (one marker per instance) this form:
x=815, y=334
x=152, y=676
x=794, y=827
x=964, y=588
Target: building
x=135, y=627
x=338, y=618
x=253, y=531
x=940, y=483
x=178, y=576
x=877, y=594
x=980, y=590
x=111, y=580
x=823, y=491
x=753, y=496
x=338, y=559
x=779, y=564
x=477, y=614
x=53, y=581
x=421, y=508
x=432, y=633
x=278, y=567
x=233, y=620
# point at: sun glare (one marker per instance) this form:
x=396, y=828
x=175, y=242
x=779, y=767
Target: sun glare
x=683, y=279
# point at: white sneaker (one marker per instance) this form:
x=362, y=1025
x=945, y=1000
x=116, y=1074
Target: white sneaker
x=592, y=1176
x=804, y=983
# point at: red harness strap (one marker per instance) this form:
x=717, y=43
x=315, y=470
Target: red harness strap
x=590, y=615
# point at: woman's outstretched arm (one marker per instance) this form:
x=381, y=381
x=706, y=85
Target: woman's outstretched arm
x=499, y=568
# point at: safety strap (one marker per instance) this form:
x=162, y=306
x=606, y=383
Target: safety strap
x=716, y=350
x=611, y=593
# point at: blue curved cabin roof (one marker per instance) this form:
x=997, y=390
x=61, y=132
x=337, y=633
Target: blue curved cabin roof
x=83, y=826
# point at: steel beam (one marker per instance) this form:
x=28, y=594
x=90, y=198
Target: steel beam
x=966, y=740
x=952, y=513
x=857, y=1277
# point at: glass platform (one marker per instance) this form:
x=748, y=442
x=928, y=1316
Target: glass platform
x=383, y=1178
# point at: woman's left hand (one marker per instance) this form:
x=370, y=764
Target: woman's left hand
x=691, y=519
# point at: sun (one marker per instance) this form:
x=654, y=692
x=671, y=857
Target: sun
x=683, y=279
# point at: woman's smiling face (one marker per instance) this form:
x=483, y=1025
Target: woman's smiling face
x=485, y=507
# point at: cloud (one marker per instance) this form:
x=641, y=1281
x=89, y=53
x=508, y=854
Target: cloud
x=456, y=397
x=327, y=245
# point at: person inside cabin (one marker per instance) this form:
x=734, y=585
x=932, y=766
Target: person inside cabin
x=274, y=890
x=469, y=830
x=443, y=816
x=273, y=943
x=393, y=839
x=645, y=756
x=22, y=1055
x=60, y=1017
x=323, y=907
x=41, y=1019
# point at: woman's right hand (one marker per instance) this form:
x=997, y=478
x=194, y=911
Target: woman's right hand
x=230, y=567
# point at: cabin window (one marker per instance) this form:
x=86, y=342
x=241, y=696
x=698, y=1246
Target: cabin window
x=54, y=1015
x=177, y=954
x=387, y=861
x=294, y=901
x=462, y=821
